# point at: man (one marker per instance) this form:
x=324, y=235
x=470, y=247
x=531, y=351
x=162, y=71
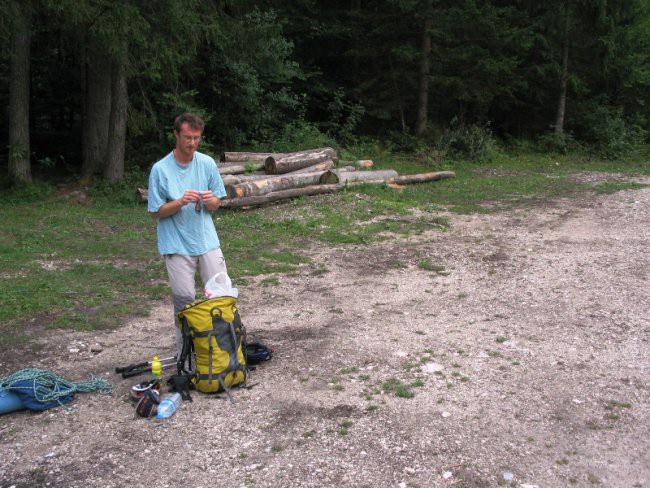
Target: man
x=184, y=188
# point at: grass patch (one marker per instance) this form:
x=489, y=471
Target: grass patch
x=608, y=187
x=399, y=389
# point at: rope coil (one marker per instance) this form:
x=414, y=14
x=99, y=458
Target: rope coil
x=46, y=386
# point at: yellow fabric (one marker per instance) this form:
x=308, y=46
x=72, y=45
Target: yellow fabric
x=203, y=316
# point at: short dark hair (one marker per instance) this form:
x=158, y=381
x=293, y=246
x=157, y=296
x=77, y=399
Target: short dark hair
x=193, y=120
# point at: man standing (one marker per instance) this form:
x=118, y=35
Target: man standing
x=184, y=188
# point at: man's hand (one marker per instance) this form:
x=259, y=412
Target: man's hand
x=190, y=196
x=210, y=202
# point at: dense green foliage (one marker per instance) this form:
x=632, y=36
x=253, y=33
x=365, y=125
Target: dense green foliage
x=270, y=75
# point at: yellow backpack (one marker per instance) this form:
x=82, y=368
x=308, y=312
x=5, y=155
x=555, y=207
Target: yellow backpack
x=213, y=332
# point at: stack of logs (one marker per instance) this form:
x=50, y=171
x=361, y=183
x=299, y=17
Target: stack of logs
x=260, y=178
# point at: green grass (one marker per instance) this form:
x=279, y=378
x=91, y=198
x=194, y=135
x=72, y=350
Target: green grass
x=64, y=265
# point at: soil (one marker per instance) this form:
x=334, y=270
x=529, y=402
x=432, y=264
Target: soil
x=509, y=350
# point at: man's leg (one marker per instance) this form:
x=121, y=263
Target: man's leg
x=210, y=264
x=181, y=271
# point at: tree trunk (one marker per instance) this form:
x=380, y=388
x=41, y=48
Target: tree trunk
x=239, y=168
x=334, y=177
x=96, y=108
x=323, y=166
x=281, y=195
x=423, y=92
x=564, y=76
x=422, y=177
x=245, y=157
x=114, y=169
x=272, y=184
x=239, y=178
x=18, y=114
x=297, y=160
x=398, y=96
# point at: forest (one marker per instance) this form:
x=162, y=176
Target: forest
x=91, y=87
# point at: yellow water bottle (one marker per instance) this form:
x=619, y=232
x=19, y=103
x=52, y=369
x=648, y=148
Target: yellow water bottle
x=156, y=368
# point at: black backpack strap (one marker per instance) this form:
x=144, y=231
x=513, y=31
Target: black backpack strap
x=186, y=350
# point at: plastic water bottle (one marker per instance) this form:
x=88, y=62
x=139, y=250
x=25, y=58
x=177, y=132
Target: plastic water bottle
x=168, y=406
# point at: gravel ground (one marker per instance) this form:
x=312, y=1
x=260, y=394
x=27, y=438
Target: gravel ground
x=510, y=350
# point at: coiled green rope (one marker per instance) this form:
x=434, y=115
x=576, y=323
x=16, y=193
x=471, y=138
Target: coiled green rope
x=50, y=387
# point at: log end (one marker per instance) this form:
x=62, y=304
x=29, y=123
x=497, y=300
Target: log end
x=270, y=166
x=233, y=191
x=329, y=177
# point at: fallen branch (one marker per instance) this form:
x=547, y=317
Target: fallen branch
x=422, y=177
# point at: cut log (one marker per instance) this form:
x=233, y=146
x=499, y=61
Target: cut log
x=280, y=195
x=362, y=163
x=237, y=157
x=298, y=160
x=141, y=194
x=272, y=184
x=239, y=168
x=324, y=166
x=240, y=178
x=335, y=176
x=422, y=177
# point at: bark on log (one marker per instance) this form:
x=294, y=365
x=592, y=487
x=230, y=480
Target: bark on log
x=240, y=167
x=362, y=163
x=335, y=176
x=237, y=157
x=280, y=195
x=241, y=178
x=324, y=166
x=422, y=177
x=298, y=160
x=272, y=184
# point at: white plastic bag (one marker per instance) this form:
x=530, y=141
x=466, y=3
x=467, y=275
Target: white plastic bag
x=220, y=286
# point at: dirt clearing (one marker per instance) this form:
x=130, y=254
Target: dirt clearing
x=511, y=350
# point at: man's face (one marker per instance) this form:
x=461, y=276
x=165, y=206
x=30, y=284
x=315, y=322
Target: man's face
x=187, y=139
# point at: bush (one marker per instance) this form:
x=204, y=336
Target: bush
x=299, y=135
x=121, y=192
x=473, y=142
x=606, y=128
x=557, y=143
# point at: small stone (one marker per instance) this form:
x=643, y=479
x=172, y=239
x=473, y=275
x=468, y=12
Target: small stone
x=409, y=470
x=445, y=414
x=508, y=476
x=447, y=474
x=97, y=347
x=73, y=350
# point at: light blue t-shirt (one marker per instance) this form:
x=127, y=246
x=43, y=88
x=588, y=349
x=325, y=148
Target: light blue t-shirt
x=187, y=232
